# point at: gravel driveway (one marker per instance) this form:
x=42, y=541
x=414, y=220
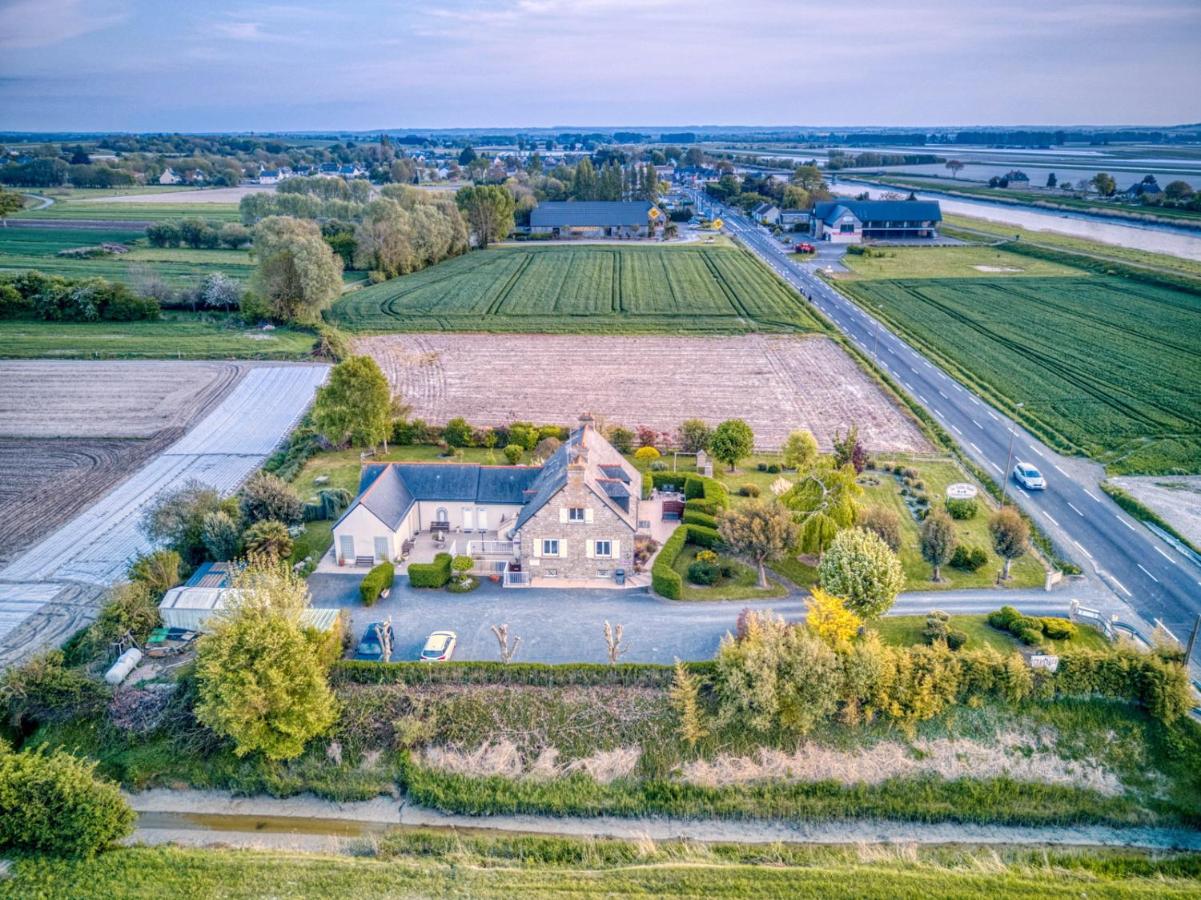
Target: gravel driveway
x=555, y=625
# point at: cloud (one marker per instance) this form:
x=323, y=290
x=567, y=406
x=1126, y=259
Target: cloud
x=42, y=23
x=240, y=31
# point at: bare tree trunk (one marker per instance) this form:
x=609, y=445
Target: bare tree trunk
x=1005, y=570
x=762, y=574
x=937, y=573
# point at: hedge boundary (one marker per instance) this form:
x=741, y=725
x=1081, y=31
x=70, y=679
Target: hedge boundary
x=430, y=575
x=349, y=671
x=376, y=582
x=665, y=580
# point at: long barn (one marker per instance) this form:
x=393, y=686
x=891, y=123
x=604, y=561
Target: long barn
x=591, y=218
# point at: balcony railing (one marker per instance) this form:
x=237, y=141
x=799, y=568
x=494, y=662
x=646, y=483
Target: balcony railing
x=493, y=548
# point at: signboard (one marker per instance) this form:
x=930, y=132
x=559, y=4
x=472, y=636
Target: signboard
x=654, y=213
x=1050, y=663
x=717, y=223
x=961, y=491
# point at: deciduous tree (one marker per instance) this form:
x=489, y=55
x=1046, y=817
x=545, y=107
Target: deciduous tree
x=732, y=440
x=859, y=567
x=829, y=618
x=355, y=405
x=488, y=210
x=937, y=541
x=823, y=503
x=261, y=680
x=267, y=496
x=762, y=530
x=1010, y=536
x=297, y=274
x=694, y=435
x=800, y=451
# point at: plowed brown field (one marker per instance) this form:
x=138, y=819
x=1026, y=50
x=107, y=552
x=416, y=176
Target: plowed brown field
x=776, y=383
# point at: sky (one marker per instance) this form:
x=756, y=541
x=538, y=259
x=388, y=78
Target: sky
x=137, y=65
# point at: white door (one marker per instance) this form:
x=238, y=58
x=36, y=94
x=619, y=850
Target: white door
x=481, y=518
x=381, y=549
x=468, y=518
x=346, y=542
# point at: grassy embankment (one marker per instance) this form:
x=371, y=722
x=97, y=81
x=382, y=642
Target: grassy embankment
x=1046, y=199
x=444, y=865
x=1101, y=362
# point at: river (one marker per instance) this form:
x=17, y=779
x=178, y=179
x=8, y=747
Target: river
x=1152, y=238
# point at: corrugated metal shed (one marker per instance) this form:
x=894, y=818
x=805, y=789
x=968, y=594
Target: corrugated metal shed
x=192, y=607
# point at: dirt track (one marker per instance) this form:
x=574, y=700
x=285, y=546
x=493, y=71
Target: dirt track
x=777, y=384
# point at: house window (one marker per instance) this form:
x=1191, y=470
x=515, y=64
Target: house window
x=847, y=228
x=575, y=514
x=602, y=573
x=550, y=573
x=550, y=548
x=603, y=549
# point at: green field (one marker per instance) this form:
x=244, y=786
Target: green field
x=175, y=335
x=596, y=288
x=22, y=249
x=89, y=203
x=434, y=864
x=1104, y=365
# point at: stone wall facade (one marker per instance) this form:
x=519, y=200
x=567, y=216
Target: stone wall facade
x=577, y=559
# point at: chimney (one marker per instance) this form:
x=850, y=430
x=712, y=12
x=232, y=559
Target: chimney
x=586, y=420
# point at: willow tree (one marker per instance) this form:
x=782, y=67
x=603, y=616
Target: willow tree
x=823, y=504
x=297, y=274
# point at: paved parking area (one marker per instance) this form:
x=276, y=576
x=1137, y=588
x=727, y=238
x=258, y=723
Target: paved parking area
x=555, y=625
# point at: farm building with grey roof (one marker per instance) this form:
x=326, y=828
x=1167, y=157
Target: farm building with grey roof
x=850, y=221
x=591, y=218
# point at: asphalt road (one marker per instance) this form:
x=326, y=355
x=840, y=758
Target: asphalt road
x=1139, y=568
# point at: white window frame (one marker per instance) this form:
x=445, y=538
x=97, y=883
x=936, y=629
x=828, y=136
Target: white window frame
x=547, y=544
x=571, y=514
x=596, y=549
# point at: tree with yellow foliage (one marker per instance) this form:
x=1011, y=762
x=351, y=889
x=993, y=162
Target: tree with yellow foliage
x=830, y=620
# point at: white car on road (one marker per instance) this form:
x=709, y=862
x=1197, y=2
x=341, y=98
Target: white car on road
x=1029, y=477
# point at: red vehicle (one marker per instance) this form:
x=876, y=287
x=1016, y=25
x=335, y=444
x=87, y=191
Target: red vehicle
x=805, y=248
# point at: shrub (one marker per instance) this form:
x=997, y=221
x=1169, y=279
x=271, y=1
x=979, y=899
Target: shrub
x=937, y=626
x=622, y=439
x=971, y=559
x=956, y=639
x=43, y=689
x=268, y=538
x=513, y=453
x=431, y=575
x=885, y=523
x=665, y=580
x=706, y=556
x=457, y=433
x=773, y=469
x=658, y=465
x=707, y=507
x=694, y=517
x=461, y=565
x=646, y=454
x=860, y=567
x=748, y=490
x=1058, y=629
x=54, y=803
x=694, y=488
x=463, y=586
x=961, y=509
x=762, y=467
x=375, y=582
x=1003, y=618
x=701, y=572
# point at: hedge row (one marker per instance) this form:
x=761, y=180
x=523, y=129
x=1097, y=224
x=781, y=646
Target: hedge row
x=665, y=580
x=376, y=582
x=430, y=575
x=541, y=674
x=694, y=487
x=696, y=517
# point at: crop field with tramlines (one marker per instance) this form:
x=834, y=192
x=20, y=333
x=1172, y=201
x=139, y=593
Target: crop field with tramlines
x=583, y=289
x=1104, y=365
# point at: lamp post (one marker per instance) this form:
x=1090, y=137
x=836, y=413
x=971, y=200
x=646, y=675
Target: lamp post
x=1008, y=463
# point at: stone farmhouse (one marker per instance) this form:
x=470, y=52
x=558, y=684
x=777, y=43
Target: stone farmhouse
x=572, y=519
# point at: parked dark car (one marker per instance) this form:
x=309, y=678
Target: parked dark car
x=370, y=648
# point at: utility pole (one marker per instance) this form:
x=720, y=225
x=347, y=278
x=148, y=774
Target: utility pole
x=1192, y=642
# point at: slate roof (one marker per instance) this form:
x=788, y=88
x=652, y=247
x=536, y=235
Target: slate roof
x=551, y=479
x=589, y=213
x=389, y=490
x=616, y=472
x=879, y=210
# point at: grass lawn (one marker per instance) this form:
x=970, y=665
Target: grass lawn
x=176, y=335
x=903, y=631
x=982, y=229
x=743, y=585
x=452, y=865
x=1026, y=572
x=88, y=204
x=1103, y=364
x=600, y=289
x=950, y=262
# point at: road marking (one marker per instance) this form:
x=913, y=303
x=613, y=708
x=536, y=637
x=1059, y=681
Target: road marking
x=1122, y=586
x=992, y=416
x=1052, y=518
x=995, y=466
x=944, y=396
x=977, y=424
x=1039, y=452
x=1148, y=574
x=977, y=449
x=907, y=387
x=1124, y=522
x=1082, y=550
x=925, y=402
x=1091, y=494
x=1021, y=491
x=1164, y=555
x=957, y=431
x=1073, y=506
x=1061, y=471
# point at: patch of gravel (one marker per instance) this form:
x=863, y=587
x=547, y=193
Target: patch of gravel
x=1176, y=498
